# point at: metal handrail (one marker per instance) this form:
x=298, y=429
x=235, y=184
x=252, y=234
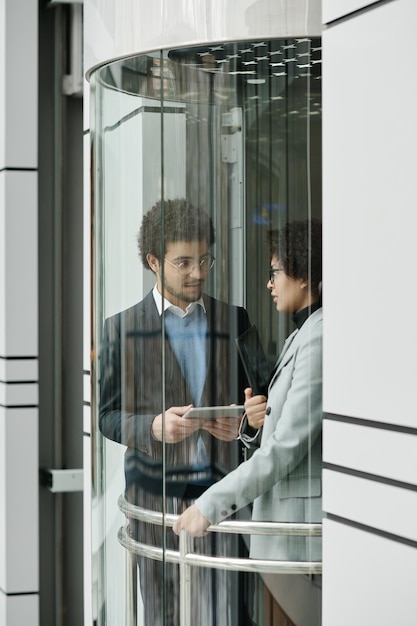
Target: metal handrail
x=185, y=558
x=216, y=562
x=242, y=527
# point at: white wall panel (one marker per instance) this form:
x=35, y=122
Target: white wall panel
x=2, y=261
x=19, y=465
x=367, y=580
x=378, y=505
x=369, y=191
x=87, y=424
x=118, y=29
x=18, y=81
x=86, y=106
x=18, y=394
x=87, y=388
x=334, y=9
x=372, y=450
x=18, y=264
x=86, y=256
x=87, y=338
x=2, y=84
x=19, y=610
x=90, y=580
x=87, y=559
x=19, y=480
x=19, y=369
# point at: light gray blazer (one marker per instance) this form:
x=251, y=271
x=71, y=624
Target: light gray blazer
x=283, y=476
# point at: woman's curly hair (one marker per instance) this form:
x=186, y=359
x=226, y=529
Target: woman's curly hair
x=170, y=221
x=298, y=246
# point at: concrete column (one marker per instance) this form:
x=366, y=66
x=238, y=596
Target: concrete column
x=19, y=544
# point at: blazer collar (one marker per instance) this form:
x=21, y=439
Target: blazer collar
x=148, y=307
x=293, y=340
x=166, y=304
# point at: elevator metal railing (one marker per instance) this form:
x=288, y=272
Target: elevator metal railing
x=186, y=559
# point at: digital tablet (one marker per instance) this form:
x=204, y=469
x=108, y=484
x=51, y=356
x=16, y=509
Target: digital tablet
x=214, y=412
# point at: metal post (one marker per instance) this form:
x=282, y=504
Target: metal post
x=131, y=589
x=185, y=581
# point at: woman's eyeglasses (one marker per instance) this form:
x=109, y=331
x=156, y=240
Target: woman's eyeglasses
x=273, y=273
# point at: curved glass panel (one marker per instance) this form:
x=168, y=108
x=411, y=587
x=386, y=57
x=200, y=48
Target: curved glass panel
x=207, y=201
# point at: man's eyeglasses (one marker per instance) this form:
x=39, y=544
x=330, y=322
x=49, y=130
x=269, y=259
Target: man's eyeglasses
x=273, y=273
x=187, y=266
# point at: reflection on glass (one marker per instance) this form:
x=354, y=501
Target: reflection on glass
x=173, y=349
x=198, y=153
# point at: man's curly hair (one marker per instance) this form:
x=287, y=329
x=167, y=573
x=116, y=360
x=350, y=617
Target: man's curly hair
x=170, y=221
x=298, y=246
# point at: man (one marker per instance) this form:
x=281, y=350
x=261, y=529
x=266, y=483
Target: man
x=172, y=350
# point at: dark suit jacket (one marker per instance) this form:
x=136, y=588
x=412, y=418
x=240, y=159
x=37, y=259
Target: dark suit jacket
x=140, y=377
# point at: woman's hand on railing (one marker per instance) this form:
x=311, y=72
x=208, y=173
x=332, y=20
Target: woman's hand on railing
x=193, y=522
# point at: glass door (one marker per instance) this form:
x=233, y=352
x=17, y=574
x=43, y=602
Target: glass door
x=203, y=159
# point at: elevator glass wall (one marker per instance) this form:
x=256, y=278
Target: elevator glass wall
x=233, y=129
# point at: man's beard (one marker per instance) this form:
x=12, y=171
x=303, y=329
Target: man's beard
x=182, y=295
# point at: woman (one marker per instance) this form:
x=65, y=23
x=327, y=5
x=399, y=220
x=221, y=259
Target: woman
x=283, y=476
